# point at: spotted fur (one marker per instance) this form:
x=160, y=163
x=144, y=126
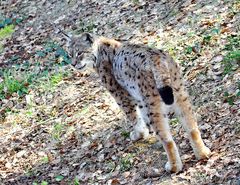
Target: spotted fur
x=143, y=81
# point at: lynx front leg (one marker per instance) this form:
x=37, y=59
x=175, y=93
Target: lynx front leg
x=140, y=129
x=128, y=105
x=130, y=108
x=124, y=100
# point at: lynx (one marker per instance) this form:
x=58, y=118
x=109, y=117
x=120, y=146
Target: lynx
x=143, y=81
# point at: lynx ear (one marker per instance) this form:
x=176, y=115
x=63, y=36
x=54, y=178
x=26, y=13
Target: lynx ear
x=67, y=36
x=88, y=38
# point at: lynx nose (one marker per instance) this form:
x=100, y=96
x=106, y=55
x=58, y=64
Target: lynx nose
x=73, y=62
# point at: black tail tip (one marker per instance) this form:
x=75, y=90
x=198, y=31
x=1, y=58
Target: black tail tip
x=167, y=94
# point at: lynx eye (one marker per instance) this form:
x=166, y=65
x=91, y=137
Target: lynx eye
x=79, y=53
x=70, y=53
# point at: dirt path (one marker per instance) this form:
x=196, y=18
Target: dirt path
x=59, y=126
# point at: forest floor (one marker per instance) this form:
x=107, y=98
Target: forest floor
x=60, y=126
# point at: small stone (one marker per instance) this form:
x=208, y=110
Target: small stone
x=86, y=144
x=114, y=157
x=21, y=153
x=64, y=172
x=50, y=96
x=56, y=161
x=138, y=19
x=217, y=66
x=10, y=104
x=157, y=146
x=5, y=101
x=101, y=157
x=51, y=175
x=8, y=165
x=19, y=106
x=29, y=99
x=126, y=174
x=82, y=165
x=41, y=153
x=38, y=100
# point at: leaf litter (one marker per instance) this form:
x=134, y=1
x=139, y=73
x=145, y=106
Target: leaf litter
x=67, y=129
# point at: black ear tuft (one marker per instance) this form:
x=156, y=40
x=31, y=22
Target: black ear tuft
x=167, y=94
x=88, y=37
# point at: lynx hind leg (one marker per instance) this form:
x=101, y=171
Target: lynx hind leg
x=183, y=109
x=159, y=121
x=186, y=116
x=160, y=124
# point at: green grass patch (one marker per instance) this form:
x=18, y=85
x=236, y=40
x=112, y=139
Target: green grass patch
x=76, y=181
x=136, y=2
x=231, y=98
x=86, y=26
x=125, y=134
x=11, y=84
x=44, y=183
x=174, y=122
x=48, y=82
x=55, y=53
x=21, y=78
x=6, y=32
x=59, y=178
x=7, y=26
x=231, y=61
x=84, y=110
x=207, y=39
x=6, y=21
x=2, y=94
x=126, y=162
x=56, y=78
x=111, y=166
x=57, y=131
x=45, y=159
x=233, y=43
x=231, y=64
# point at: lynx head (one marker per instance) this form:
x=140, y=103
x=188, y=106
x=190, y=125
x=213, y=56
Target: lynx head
x=80, y=50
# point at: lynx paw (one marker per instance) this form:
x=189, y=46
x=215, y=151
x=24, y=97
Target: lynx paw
x=136, y=135
x=173, y=168
x=204, y=153
x=140, y=131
